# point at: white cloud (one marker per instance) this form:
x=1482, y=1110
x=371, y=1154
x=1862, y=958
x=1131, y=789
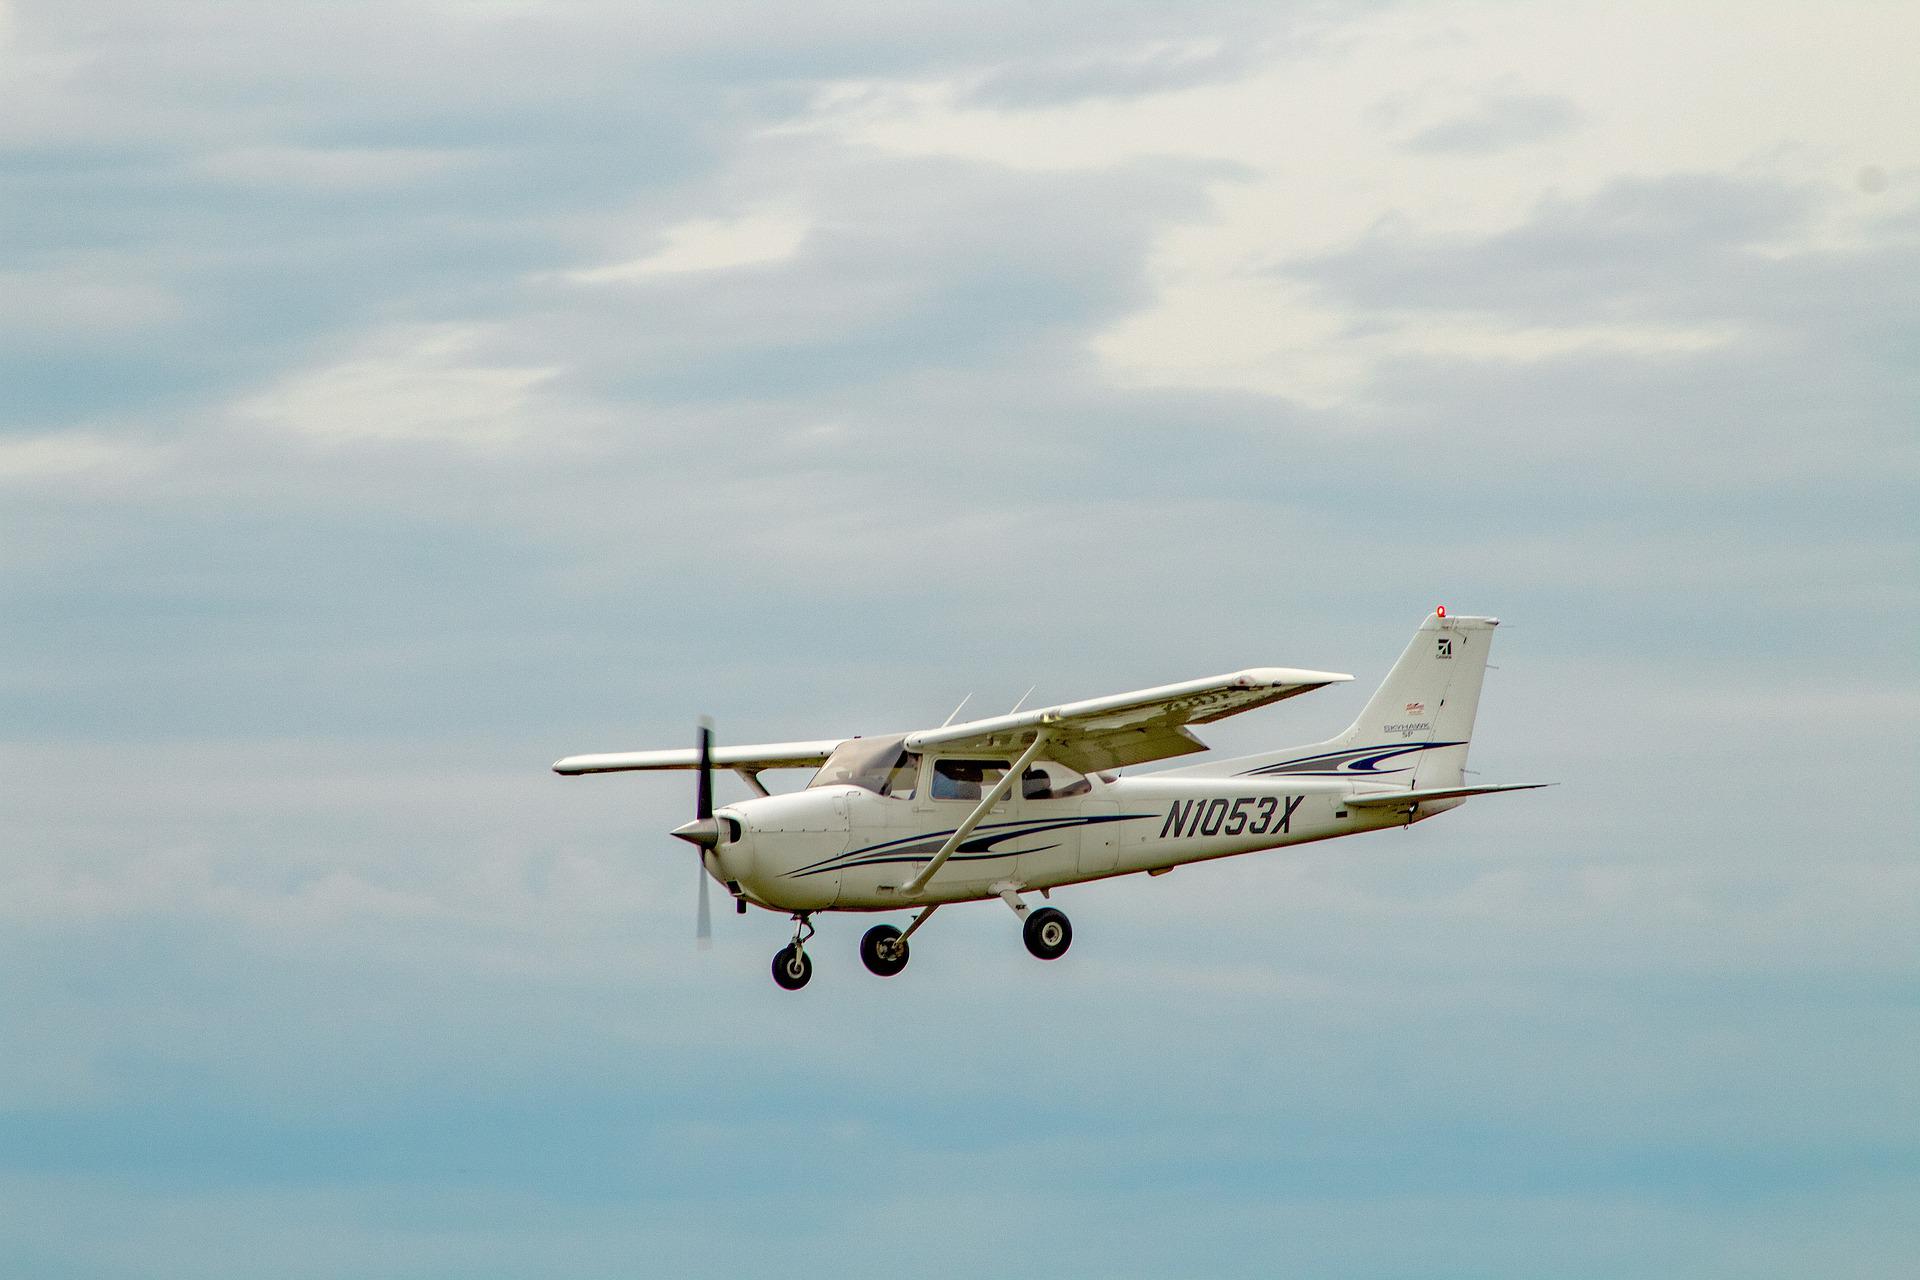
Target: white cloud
x=35, y=458
x=330, y=168
x=92, y=299
x=412, y=385
x=1269, y=336
x=709, y=244
x=1322, y=151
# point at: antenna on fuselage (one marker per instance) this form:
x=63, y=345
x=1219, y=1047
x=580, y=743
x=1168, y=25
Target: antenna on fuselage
x=1023, y=698
x=954, y=712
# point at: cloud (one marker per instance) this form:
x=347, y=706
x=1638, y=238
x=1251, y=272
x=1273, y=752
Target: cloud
x=330, y=169
x=1121, y=72
x=409, y=388
x=36, y=459
x=712, y=244
x=1318, y=165
x=1499, y=123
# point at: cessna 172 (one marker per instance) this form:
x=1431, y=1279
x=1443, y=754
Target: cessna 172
x=1029, y=801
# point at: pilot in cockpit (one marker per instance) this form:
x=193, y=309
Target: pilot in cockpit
x=958, y=779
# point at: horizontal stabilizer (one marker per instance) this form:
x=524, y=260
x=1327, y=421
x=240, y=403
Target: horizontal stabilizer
x=1407, y=799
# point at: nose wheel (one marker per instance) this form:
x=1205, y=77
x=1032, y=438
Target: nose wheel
x=1047, y=933
x=791, y=967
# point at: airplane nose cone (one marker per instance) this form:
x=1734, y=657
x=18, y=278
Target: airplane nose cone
x=704, y=832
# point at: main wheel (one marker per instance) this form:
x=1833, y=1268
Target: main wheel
x=883, y=951
x=791, y=968
x=1047, y=933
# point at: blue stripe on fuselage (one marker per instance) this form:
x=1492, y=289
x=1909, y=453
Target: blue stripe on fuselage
x=922, y=847
x=1345, y=764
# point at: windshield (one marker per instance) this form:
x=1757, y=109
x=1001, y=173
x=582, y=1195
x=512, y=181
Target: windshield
x=883, y=766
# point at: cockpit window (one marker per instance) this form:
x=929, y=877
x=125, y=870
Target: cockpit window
x=965, y=779
x=1049, y=781
x=883, y=766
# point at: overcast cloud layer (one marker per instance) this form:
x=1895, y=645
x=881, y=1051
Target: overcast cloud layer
x=394, y=398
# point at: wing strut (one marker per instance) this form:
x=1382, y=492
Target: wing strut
x=994, y=796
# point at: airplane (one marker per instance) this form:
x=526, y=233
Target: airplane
x=1033, y=801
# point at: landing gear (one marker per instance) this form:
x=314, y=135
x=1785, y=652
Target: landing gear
x=883, y=950
x=791, y=968
x=1047, y=933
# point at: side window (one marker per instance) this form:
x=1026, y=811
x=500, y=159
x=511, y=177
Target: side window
x=1049, y=781
x=965, y=779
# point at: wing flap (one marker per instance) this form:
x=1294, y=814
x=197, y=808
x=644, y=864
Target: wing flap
x=1121, y=747
x=1129, y=728
x=768, y=755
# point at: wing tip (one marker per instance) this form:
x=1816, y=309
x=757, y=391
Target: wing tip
x=1293, y=675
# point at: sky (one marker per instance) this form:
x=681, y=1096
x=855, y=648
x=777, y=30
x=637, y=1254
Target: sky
x=396, y=397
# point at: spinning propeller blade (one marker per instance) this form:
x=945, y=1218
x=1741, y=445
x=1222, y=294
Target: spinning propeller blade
x=703, y=817
x=703, y=922
x=703, y=798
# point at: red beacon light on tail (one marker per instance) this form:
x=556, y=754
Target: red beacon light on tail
x=1440, y=611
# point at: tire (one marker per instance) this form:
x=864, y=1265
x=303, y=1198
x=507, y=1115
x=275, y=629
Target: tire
x=792, y=968
x=1047, y=933
x=882, y=951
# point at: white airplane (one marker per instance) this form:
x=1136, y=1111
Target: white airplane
x=1029, y=801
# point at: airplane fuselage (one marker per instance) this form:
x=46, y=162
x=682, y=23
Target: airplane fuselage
x=848, y=849
x=1034, y=800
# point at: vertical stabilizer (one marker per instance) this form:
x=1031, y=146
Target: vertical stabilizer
x=1427, y=702
x=1414, y=731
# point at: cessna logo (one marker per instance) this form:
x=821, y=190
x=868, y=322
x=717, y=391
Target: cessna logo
x=1445, y=647
x=1248, y=815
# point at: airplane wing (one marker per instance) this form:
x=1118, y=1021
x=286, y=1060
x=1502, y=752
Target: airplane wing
x=767, y=755
x=1128, y=728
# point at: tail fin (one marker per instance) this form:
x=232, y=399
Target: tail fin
x=1415, y=730
x=1427, y=704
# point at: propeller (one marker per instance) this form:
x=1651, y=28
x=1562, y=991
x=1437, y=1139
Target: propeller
x=703, y=832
